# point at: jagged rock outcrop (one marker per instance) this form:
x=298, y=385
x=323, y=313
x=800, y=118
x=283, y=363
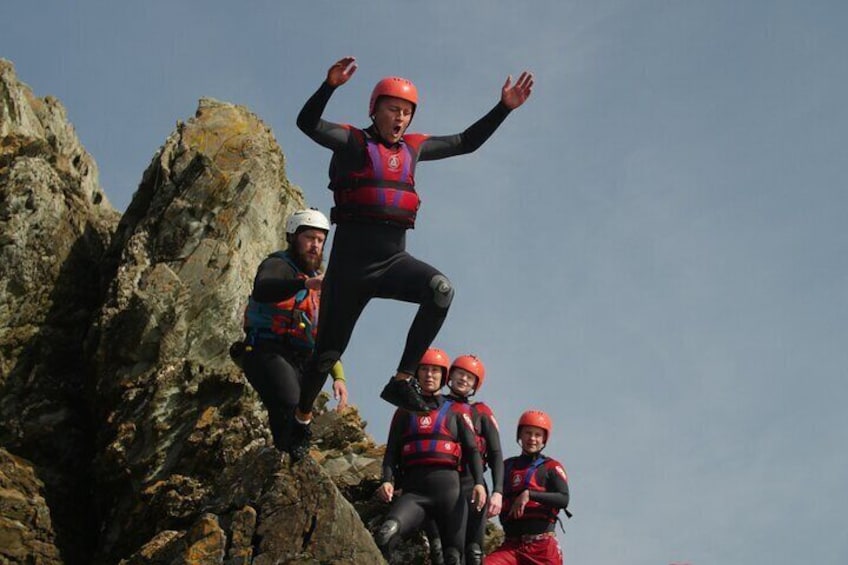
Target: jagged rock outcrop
x=55, y=223
x=127, y=435
x=182, y=441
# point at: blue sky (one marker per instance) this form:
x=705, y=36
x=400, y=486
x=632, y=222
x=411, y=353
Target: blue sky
x=652, y=249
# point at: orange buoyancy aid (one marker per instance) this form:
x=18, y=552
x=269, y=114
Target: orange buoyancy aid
x=383, y=191
x=428, y=440
x=293, y=320
x=518, y=478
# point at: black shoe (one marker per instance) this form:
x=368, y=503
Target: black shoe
x=301, y=434
x=405, y=394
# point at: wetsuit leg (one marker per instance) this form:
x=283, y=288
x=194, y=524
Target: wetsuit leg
x=411, y=280
x=450, y=513
x=437, y=556
x=342, y=302
x=475, y=525
x=278, y=383
x=406, y=514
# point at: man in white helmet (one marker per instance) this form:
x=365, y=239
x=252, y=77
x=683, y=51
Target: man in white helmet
x=281, y=323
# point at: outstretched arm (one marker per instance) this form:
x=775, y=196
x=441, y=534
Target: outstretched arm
x=512, y=96
x=328, y=134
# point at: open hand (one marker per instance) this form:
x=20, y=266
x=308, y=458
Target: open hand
x=341, y=71
x=514, y=95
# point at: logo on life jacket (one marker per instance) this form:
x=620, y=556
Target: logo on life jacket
x=516, y=479
x=394, y=163
x=425, y=421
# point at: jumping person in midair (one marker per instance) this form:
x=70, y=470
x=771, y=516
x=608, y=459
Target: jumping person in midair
x=372, y=175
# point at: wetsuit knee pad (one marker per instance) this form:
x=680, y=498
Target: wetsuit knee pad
x=442, y=291
x=474, y=554
x=388, y=530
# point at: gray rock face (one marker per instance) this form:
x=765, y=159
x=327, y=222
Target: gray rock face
x=55, y=223
x=181, y=444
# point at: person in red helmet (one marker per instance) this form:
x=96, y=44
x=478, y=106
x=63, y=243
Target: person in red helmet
x=426, y=450
x=535, y=490
x=372, y=176
x=465, y=379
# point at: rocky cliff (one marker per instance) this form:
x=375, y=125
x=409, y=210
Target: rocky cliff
x=126, y=433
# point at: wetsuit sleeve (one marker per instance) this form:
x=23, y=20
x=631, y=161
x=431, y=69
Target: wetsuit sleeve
x=276, y=280
x=471, y=455
x=439, y=147
x=494, y=455
x=391, y=459
x=330, y=135
x=556, y=485
x=337, y=372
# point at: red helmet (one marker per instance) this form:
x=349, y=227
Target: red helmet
x=535, y=418
x=473, y=365
x=437, y=357
x=394, y=86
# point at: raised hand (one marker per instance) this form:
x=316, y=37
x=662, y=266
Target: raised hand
x=341, y=71
x=514, y=95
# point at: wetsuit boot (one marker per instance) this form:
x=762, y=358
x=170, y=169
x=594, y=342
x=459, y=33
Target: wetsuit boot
x=437, y=556
x=298, y=445
x=405, y=394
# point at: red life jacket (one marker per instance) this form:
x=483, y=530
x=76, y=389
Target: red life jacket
x=293, y=320
x=429, y=441
x=526, y=477
x=383, y=191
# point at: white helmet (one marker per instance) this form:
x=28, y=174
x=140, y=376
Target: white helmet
x=310, y=218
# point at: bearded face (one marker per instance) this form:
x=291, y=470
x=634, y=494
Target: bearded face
x=308, y=249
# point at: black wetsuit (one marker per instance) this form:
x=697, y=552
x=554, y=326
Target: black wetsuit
x=485, y=427
x=430, y=491
x=368, y=259
x=273, y=366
